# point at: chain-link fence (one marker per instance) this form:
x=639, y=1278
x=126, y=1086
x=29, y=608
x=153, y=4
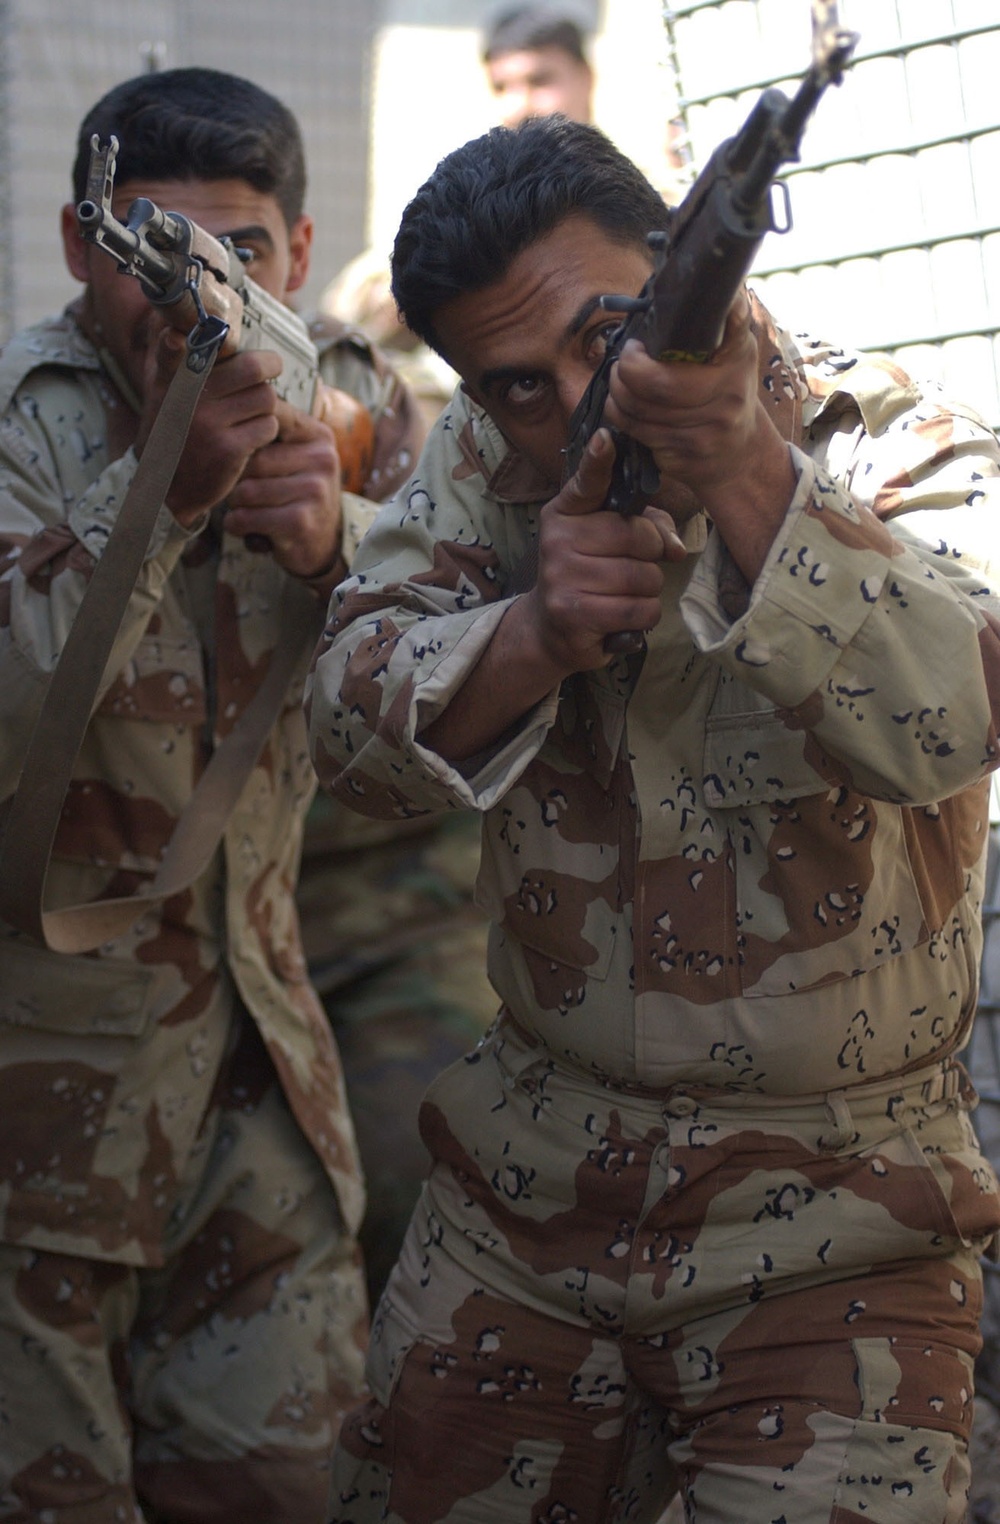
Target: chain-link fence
x=895, y=243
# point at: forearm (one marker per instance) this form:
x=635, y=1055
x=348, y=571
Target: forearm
x=880, y=648
x=372, y=700
x=749, y=512
x=511, y=677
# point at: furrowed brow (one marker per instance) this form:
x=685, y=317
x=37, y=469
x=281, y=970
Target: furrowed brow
x=252, y=233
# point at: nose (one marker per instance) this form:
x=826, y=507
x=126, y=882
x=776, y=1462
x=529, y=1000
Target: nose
x=571, y=386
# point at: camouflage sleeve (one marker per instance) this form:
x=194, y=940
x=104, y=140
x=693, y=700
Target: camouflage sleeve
x=53, y=526
x=404, y=632
x=936, y=461
x=883, y=645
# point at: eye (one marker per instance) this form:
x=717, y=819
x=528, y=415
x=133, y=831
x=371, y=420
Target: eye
x=523, y=391
x=250, y=253
x=598, y=338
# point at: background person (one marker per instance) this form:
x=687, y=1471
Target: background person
x=536, y=64
x=182, y=1307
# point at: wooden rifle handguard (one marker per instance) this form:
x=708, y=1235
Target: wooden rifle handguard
x=354, y=431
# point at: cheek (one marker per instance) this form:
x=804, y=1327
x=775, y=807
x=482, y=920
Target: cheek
x=542, y=445
x=272, y=275
x=122, y=312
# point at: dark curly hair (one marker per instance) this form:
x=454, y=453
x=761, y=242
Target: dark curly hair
x=490, y=199
x=198, y=124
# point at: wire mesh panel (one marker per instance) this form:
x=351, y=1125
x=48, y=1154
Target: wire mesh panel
x=895, y=243
x=983, y=1060
x=6, y=219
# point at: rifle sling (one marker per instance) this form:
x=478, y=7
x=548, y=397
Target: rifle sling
x=33, y=815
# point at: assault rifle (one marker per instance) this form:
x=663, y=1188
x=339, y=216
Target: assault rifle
x=701, y=263
x=194, y=276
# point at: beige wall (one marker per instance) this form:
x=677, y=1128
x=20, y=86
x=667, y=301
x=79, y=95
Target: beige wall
x=429, y=95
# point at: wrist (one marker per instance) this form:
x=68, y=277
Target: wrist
x=323, y=581
x=541, y=663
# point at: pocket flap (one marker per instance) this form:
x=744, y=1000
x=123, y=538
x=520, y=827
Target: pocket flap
x=756, y=757
x=59, y=992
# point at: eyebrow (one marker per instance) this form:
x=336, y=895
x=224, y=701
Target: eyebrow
x=581, y=317
x=503, y=373
x=254, y=232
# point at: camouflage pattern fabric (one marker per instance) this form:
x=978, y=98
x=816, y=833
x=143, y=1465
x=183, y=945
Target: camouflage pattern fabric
x=397, y=951
x=394, y=943
x=239, y=1355
x=744, y=869
x=770, y=1303
x=109, y=1061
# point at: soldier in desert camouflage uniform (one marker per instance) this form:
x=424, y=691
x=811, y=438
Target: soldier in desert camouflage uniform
x=706, y=1210
x=182, y=1310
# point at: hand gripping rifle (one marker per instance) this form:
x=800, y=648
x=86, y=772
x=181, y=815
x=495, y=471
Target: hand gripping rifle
x=195, y=277
x=202, y=285
x=700, y=265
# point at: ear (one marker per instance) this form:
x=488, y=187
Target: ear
x=300, y=240
x=76, y=250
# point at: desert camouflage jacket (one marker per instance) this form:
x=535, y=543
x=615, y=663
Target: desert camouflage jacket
x=108, y=1059
x=752, y=857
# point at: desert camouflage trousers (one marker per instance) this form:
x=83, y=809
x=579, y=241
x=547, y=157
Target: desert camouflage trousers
x=397, y=952
x=207, y=1390
x=604, y=1297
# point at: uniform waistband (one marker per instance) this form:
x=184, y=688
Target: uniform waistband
x=943, y=1080
x=837, y=1112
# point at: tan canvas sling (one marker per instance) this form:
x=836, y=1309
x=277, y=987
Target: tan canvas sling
x=33, y=815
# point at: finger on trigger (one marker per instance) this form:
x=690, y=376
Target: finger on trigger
x=294, y=424
x=674, y=548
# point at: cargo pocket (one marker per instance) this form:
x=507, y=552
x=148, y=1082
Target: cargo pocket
x=362, y=1463
x=76, y=1104
x=906, y=1459
x=959, y=1183
x=390, y=1342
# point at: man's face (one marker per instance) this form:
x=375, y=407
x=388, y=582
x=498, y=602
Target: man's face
x=527, y=346
x=540, y=82
x=118, y=315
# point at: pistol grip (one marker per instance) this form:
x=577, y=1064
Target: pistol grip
x=625, y=642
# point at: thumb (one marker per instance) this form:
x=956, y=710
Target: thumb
x=587, y=489
x=167, y=353
x=297, y=427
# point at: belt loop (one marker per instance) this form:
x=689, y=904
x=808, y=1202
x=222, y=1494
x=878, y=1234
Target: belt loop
x=950, y=1080
x=842, y=1132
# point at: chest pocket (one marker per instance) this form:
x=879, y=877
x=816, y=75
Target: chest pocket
x=823, y=884
x=73, y=997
